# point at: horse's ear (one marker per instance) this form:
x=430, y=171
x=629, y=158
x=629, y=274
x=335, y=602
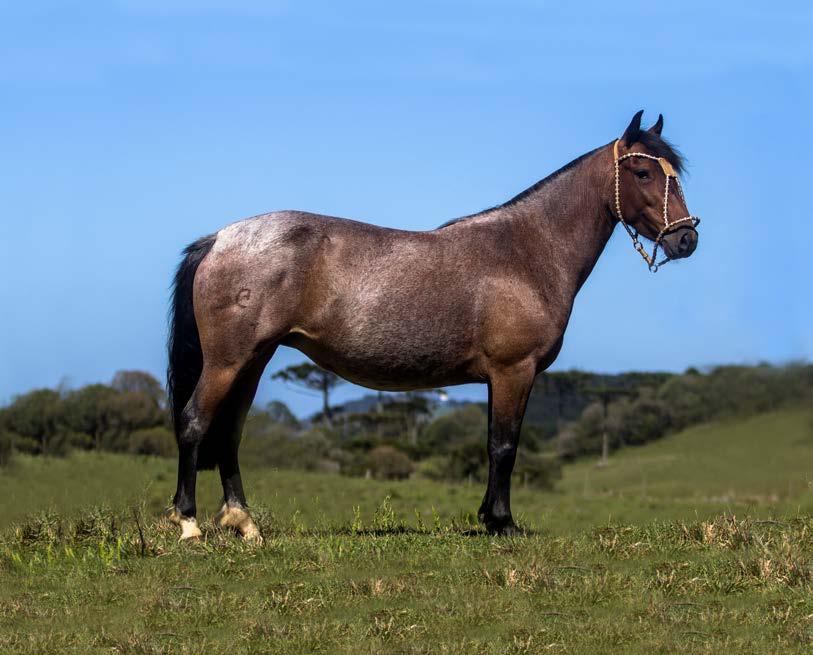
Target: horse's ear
x=633, y=129
x=657, y=128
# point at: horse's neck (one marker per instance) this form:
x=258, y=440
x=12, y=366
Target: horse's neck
x=567, y=219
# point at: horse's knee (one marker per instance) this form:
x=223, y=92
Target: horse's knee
x=501, y=460
x=192, y=430
x=501, y=452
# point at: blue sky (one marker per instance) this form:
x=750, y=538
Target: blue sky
x=130, y=128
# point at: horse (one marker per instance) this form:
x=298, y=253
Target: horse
x=483, y=299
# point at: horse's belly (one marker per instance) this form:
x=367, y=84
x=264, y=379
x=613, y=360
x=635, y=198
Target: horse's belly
x=391, y=364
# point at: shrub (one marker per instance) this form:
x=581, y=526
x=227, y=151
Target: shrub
x=156, y=441
x=465, y=424
x=537, y=470
x=567, y=442
x=277, y=446
x=388, y=463
x=468, y=460
x=6, y=448
x=34, y=418
x=433, y=468
x=464, y=460
x=638, y=421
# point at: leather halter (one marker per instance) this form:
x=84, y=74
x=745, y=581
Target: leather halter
x=668, y=226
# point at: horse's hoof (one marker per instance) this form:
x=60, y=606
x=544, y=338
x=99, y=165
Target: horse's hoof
x=189, y=526
x=252, y=535
x=190, y=530
x=237, y=518
x=502, y=528
x=509, y=530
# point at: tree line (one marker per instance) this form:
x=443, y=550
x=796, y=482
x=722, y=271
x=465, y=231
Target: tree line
x=127, y=415
x=390, y=436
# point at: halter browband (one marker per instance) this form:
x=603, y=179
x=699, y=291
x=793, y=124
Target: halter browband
x=669, y=173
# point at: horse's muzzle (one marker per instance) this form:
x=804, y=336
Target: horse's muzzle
x=681, y=243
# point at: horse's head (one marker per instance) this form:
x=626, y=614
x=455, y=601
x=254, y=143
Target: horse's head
x=648, y=199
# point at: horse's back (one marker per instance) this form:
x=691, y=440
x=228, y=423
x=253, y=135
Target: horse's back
x=362, y=300
x=381, y=307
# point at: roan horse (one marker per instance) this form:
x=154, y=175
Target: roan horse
x=485, y=298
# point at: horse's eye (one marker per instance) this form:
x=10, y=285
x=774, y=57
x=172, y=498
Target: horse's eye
x=642, y=174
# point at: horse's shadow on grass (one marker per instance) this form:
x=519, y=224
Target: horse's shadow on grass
x=410, y=531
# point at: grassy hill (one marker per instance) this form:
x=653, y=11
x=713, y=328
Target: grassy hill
x=761, y=459
x=697, y=543
x=760, y=465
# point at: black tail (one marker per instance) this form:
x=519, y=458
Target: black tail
x=185, y=355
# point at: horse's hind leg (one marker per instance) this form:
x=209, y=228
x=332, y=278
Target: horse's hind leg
x=211, y=391
x=234, y=512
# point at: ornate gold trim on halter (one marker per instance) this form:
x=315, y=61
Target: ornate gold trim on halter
x=669, y=172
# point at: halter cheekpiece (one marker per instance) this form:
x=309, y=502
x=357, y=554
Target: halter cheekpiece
x=668, y=227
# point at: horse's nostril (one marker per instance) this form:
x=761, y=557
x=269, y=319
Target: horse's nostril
x=686, y=244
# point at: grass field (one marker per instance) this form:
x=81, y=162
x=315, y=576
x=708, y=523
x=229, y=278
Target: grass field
x=702, y=542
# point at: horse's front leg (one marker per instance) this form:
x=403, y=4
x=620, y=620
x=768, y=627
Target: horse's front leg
x=508, y=392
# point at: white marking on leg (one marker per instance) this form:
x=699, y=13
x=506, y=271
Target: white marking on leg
x=190, y=529
x=189, y=526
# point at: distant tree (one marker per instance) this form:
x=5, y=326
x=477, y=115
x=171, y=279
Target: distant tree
x=275, y=445
x=537, y=470
x=31, y=421
x=388, y=463
x=126, y=413
x=279, y=412
x=157, y=441
x=311, y=376
x=686, y=397
x=463, y=424
x=6, y=445
x=262, y=426
x=468, y=460
x=567, y=441
x=568, y=384
x=414, y=408
x=85, y=412
x=140, y=382
x=371, y=425
x=639, y=420
x=107, y=417
x=605, y=396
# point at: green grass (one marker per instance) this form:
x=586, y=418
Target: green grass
x=702, y=543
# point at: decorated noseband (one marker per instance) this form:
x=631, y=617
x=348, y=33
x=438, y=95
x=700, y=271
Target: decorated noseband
x=668, y=226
